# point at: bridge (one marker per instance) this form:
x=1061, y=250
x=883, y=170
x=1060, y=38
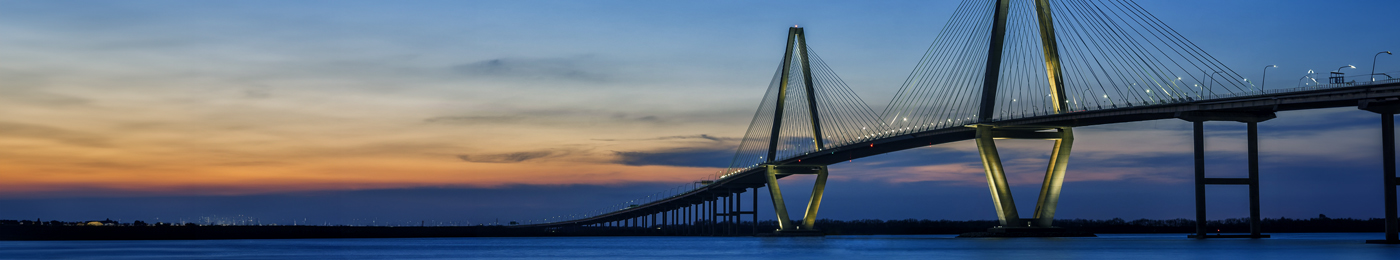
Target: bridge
x=999, y=69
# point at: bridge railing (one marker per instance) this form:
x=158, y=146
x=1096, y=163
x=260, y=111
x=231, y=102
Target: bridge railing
x=1306, y=87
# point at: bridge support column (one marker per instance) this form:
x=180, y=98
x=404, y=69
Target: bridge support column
x=1392, y=223
x=1011, y=222
x=996, y=179
x=1054, y=178
x=1251, y=120
x=755, y=211
x=1199, y=144
x=731, y=214
x=714, y=215
x=726, y=206
x=809, y=218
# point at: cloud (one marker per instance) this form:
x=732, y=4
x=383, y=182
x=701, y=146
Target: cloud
x=512, y=157
x=961, y=173
x=9, y=129
x=685, y=157
x=624, y=117
x=1141, y=152
x=676, y=137
x=257, y=93
x=40, y=97
x=1023, y=171
x=582, y=68
x=34, y=88
x=1024, y=162
x=473, y=119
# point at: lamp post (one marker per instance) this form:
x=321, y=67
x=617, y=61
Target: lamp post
x=1307, y=76
x=1198, y=90
x=1210, y=86
x=1265, y=78
x=1083, y=98
x=1338, y=77
x=1373, y=64
x=1179, y=84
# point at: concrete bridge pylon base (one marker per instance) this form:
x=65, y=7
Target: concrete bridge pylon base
x=1012, y=225
x=809, y=217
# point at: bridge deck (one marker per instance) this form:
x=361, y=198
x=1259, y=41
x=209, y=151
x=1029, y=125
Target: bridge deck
x=755, y=177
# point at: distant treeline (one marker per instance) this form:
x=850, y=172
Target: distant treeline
x=107, y=229
x=56, y=223
x=1116, y=225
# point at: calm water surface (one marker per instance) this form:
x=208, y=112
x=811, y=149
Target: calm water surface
x=1107, y=246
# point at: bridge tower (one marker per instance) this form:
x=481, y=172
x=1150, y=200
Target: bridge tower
x=1063, y=135
x=796, y=53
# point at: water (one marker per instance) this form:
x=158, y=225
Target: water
x=1107, y=246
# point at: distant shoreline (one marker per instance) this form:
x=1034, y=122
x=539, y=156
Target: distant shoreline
x=247, y=232
x=35, y=232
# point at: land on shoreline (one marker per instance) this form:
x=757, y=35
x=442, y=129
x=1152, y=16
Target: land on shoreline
x=33, y=230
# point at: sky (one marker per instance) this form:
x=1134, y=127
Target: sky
x=469, y=112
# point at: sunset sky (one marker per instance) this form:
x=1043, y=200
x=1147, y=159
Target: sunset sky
x=472, y=111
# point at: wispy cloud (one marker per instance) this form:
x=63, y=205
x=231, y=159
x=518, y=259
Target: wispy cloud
x=29, y=88
x=514, y=157
x=473, y=119
x=579, y=68
x=677, y=137
x=9, y=129
x=685, y=157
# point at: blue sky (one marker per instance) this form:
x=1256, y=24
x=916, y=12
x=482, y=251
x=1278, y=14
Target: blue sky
x=476, y=110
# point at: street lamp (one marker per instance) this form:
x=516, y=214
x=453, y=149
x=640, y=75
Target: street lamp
x=1210, y=86
x=1338, y=77
x=1307, y=76
x=1373, y=64
x=1265, y=78
x=1179, y=84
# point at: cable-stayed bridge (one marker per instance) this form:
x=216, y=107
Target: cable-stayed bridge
x=998, y=69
